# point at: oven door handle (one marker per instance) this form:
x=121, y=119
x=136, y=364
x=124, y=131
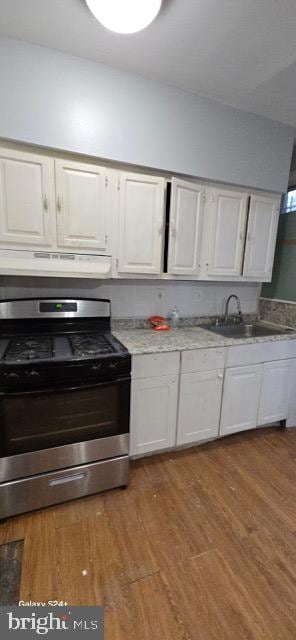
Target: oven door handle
x=61, y=389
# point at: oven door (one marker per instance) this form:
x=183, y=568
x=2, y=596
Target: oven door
x=32, y=421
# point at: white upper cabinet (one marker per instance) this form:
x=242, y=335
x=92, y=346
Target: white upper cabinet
x=227, y=211
x=26, y=199
x=186, y=218
x=56, y=204
x=81, y=206
x=261, y=236
x=141, y=223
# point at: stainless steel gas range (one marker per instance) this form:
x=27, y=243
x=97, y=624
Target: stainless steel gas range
x=64, y=402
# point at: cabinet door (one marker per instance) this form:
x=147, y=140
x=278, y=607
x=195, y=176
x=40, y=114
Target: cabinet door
x=291, y=421
x=141, y=214
x=241, y=396
x=275, y=393
x=186, y=211
x=227, y=228
x=80, y=190
x=261, y=237
x=153, y=414
x=199, y=406
x=27, y=207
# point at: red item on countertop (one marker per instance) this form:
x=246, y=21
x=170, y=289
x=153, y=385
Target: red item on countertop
x=158, y=323
x=162, y=327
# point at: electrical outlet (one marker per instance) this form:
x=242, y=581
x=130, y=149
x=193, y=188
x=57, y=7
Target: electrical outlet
x=197, y=296
x=159, y=294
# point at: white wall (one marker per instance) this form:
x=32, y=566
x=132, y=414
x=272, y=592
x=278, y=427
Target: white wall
x=55, y=100
x=134, y=298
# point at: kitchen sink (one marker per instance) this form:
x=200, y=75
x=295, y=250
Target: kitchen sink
x=246, y=330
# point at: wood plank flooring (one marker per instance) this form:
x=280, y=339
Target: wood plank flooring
x=201, y=546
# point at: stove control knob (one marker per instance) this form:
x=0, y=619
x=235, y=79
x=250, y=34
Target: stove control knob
x=32, y=374
x=113, y=365
x=96, y=367
x=12, y=376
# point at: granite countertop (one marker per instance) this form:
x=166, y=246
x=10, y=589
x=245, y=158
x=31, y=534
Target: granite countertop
x=140, y=341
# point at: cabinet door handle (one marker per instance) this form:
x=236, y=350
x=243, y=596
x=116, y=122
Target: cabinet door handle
x=59, y=204
x=173, y=229
x=220, y=376
x=45, y=202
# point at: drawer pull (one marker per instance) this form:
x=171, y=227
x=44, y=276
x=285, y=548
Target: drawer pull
x=76, y=476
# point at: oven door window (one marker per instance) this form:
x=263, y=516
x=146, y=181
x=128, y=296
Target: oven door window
x=38, y=420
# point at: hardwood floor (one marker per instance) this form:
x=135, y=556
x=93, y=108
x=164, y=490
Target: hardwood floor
x=201, y=546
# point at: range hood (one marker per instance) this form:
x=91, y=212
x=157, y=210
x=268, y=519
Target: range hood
x=56, y=264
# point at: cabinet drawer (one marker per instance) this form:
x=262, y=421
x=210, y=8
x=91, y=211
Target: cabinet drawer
x=280, y=350
x=202, y=360
x=260, y=352
x=60, y=486
x=245, y=354
x=155, y=364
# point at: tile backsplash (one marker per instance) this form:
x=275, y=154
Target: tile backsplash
x=140, y=298
x=278, y=311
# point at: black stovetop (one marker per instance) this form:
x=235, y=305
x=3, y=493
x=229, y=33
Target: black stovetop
x=65, y=345
x=40, y=347
x=51, y=361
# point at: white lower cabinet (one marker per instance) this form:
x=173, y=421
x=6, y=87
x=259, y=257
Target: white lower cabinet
x=153, y=414
x=291, y=420
x=241, y=395
x=199, y=406
x=213, y=401
x=275, y=392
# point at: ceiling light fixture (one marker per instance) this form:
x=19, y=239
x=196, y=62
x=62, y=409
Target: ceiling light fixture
x=125, y=16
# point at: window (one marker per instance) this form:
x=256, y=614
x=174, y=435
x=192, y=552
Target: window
x=289, y=202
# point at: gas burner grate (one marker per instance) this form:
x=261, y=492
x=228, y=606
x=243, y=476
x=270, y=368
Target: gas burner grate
x=90, y=344
x=29, y=348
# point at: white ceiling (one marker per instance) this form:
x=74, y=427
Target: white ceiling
x=241, y=52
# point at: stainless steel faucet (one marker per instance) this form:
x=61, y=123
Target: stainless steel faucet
x=239, y=308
